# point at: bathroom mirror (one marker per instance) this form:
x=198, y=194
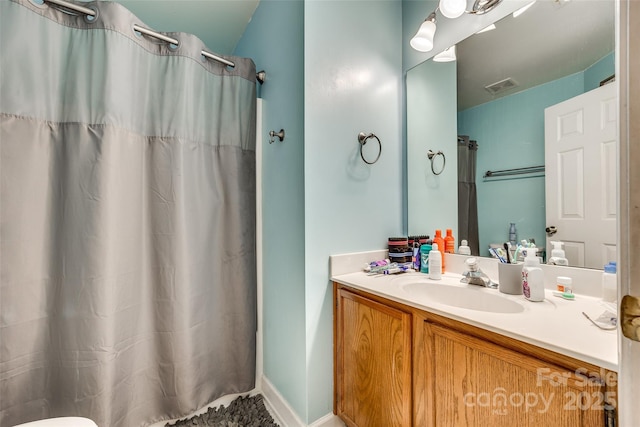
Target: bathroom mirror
x=551, y=53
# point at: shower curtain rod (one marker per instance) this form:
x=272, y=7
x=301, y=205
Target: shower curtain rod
x=260, y=76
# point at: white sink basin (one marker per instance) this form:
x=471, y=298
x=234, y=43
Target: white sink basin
x=470, y=297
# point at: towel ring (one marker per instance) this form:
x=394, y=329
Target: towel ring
x=431, y=155
x=362, y=139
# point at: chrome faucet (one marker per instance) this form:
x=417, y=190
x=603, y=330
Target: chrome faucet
x=475, y=276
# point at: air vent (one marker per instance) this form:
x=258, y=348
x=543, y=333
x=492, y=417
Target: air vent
x=501, y=86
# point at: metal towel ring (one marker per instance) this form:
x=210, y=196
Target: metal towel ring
x=431, y=155
x=362, y=139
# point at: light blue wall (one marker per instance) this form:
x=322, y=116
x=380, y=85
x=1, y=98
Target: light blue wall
x=599, y=71
x=317, y=191
x=432, y=125
x=353, y=83
x=510, y=134
x=274, y=40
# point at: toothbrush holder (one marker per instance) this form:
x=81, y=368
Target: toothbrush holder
x=510, y=278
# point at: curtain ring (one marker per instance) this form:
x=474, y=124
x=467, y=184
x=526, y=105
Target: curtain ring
x=362, y=139
x=431, y=155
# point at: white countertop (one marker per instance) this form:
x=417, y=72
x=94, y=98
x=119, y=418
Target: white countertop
x=555, y=324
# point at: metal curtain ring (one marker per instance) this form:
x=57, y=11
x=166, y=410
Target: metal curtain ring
x=431, y=155
x=362, y=139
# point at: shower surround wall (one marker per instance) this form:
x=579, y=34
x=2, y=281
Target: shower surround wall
x=352, y=67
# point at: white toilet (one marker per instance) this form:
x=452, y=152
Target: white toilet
x=61, y=422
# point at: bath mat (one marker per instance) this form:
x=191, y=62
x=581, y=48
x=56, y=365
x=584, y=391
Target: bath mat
x=247, y=411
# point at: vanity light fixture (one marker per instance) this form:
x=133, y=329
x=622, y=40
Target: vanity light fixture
x=423, y=40
x=447, y=55
x=452, y=8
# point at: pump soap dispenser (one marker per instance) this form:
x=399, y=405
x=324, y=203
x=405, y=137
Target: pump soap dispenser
x=532, y=277
x=557, y=254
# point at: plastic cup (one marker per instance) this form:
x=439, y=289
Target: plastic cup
x=510, y=278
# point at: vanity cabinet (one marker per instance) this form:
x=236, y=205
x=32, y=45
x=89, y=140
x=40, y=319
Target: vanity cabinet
x=478, y=383
x=372, y=362
x=396, y=365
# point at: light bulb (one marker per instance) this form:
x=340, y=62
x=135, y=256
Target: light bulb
x=423, y=40
x=452, y=8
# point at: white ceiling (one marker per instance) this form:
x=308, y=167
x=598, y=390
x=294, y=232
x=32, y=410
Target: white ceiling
x=552, y=39
x=218, y=23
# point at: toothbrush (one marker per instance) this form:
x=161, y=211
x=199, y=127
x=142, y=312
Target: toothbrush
x=516, y=254
x=495, y=253
x=507, y=249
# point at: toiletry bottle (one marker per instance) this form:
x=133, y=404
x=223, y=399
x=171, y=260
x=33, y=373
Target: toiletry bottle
x=435, y=263
x=564, y=284
x=440, y=242
x=424, y=258
x=557, y=254
x=416, y=254
x=464, y=249
x=449, y=242
x=513, y=236
x=609, y=283
x=532, y=277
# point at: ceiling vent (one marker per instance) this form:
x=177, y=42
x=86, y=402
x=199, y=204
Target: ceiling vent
x=501, y=86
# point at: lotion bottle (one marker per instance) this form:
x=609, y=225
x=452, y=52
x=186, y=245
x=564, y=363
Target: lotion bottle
x=532, y=277
x=435, y=263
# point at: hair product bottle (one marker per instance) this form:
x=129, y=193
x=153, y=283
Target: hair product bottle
x=440, y=242
x=449, y=242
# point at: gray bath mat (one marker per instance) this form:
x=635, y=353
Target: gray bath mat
x=248, y=411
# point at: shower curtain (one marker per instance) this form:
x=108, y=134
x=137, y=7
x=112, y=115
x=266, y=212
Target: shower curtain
x=467, y=197
x=127, y=233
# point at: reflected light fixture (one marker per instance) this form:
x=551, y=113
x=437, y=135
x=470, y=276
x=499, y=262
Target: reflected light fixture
x=487, y=28
x=452, y=8
x=423, y=40
x=447, y=55
x=523, y=9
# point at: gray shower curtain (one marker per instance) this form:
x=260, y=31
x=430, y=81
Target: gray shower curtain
x=467, y=196
x=127, y=220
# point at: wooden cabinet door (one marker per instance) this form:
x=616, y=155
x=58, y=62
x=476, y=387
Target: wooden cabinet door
x=372, y=362
x=476, y=383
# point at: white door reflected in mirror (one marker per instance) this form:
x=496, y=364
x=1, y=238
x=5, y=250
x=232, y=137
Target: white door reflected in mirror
x=580, y=184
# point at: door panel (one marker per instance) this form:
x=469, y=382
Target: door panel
x=581, y=170
x=478, y=383
x=373, y=363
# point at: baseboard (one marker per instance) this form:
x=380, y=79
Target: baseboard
x=278, y=406
x=328, y=420
x=285, y=415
